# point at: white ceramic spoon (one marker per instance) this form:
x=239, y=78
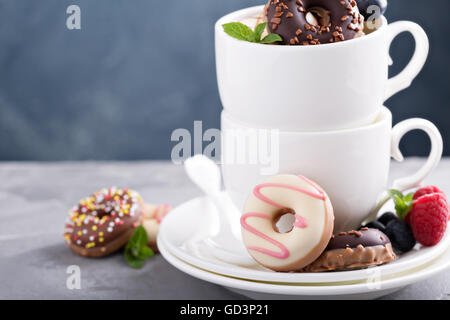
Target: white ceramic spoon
x=225, y=241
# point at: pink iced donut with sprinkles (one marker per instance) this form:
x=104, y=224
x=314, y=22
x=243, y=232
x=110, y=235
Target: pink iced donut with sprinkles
x=104, y=222
x=310, y=232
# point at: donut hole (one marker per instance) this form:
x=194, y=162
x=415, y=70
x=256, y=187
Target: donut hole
x=318, y=16
x=284, y=221
x=103, y=212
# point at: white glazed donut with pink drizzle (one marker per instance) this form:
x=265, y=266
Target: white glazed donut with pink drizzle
x=152, y=217
x=310, y=233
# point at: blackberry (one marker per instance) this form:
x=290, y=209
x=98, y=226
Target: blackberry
x=401, y=235
x=387, y=217
x=375, y=225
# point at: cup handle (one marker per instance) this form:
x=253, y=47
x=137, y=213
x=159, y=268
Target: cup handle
x=433, y=160
x=434, y=157
x=404, y=79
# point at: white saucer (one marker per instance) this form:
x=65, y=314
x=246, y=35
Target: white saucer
x=184, y=228
x=360, y=290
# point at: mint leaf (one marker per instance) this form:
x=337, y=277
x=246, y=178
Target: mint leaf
x=242, y=32
x=133, y=261
x=136, y=250
x=252, y=38
x=403, y=204
x=238, y=30
x=146, y=253
x=136, y=263
x=393, y=192
x=271, y=38
x=259, y=30
x=409, y=197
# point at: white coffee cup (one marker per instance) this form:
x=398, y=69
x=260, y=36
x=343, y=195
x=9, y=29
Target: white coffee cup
x=312, y=88
x=351, y=165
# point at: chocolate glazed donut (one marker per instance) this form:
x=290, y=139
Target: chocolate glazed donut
x=103, y=222
x=287, y=18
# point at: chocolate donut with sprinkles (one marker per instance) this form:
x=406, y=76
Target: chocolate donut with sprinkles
x=313, y=22
x=103, y=222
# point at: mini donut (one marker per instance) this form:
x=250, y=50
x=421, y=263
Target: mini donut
x=151, y=219
x=331, y=21
x=104, y=222
x=310, y=233
x=354, y=250
x=253, y=21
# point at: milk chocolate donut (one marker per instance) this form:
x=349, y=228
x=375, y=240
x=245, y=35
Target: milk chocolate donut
x=310, y=233
x=338, y=20
x=354, y=250
x=103, y=222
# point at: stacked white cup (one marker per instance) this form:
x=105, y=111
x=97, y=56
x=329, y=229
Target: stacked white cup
x=317, y=111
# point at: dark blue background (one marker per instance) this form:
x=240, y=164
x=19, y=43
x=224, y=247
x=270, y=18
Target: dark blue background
x=139, y=69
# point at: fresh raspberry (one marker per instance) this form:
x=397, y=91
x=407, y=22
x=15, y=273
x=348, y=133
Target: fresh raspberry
x=428, y=218
x=427, y=190
x=424, y=191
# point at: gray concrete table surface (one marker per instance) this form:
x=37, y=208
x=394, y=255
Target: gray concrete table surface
x=35, y=198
